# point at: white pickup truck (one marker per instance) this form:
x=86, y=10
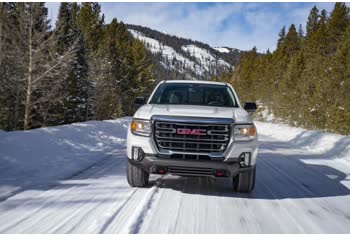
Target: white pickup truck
x=193, y=128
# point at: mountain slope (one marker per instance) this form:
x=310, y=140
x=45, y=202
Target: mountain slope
x=178, y=58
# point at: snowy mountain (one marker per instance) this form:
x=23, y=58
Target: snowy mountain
x=179, y=58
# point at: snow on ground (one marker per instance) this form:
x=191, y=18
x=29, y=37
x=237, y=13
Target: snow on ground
x=222, y=49
x=38, y=158
x=335, y=146
x=265, y=114
x=71, y=179
x=203, y=56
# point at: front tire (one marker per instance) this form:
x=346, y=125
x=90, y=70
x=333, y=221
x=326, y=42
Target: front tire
x=137, y=177
x=245, y=182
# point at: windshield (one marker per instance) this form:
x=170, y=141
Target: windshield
x=194, y=94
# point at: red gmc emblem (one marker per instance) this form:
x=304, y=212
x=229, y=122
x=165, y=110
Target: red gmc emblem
x=187, y=131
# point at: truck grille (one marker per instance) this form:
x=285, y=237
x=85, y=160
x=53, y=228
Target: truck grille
x=191, y=137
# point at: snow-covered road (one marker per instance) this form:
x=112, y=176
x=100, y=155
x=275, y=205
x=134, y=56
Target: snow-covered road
x=298, y=190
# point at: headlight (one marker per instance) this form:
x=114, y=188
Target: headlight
x=244, y=132
x=140, y=127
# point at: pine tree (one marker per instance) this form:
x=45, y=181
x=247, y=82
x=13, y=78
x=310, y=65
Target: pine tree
x=5, y=63
x=126, y=67
x=115, y=89
x=339, y=88
x=314, y=77
x=245, y=76
x=292, y=95
x=12, y=71
x=282, y=36
x=90, y=22
x=292, y=42
x=142, y=69
x=301, y=35
x=300, y=31
x=320, y=39
x=312, y=22
x=63, y=27
x=108, y=94
x=74, y=107
x=338, y=22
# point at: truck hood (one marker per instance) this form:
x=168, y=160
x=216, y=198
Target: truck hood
x=147, y=111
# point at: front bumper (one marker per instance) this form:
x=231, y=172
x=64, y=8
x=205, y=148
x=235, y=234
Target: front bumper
x=184, y=167
x=234, y=151
x=184, y=163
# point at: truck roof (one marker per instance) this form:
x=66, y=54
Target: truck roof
x=194, y=81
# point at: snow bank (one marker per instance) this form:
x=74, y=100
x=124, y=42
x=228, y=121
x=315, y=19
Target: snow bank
x=37, y=158
x=334, y=146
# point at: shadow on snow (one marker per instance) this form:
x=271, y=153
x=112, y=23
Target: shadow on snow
x=279, y=176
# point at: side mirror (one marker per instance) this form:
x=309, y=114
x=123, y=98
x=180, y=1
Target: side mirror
x=250, y=106
x=139, y=101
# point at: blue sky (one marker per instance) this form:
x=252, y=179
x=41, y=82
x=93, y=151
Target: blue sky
x=237, y=25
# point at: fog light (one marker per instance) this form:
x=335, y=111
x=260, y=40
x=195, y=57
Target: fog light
x=244, y=159
x=137, y=154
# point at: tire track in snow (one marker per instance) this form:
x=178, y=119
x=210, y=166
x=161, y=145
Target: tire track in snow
x=116, y=213
x=135, y=221
x=155, y=217
x=179, y=207
x=77, y=214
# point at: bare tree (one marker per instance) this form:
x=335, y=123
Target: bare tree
x=41, y=70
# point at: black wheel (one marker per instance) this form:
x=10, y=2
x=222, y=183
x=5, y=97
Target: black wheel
x=245, y=182
x=137, y=177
